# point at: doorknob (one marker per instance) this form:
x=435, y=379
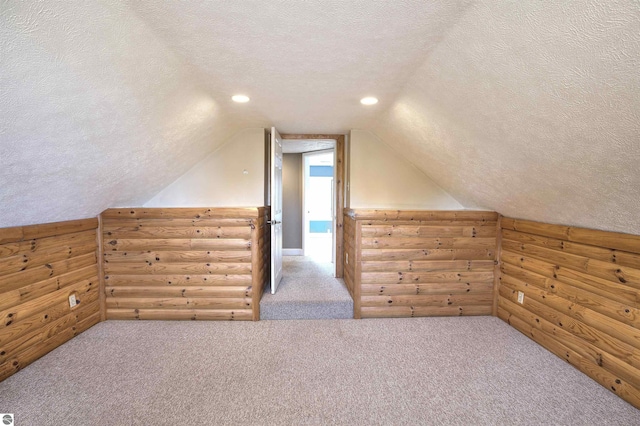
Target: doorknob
x=273, y=222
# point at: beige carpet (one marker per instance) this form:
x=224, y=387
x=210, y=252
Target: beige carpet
x=464, y=371
x=308, y=291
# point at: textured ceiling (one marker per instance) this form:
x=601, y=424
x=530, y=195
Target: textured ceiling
x=95, y=111
x=106, y=103
x=293, y=146
x=304, y=64
x=527, y=108
x=531, y=109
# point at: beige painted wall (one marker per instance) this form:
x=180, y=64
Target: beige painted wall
x=219, y=180
x=292, y=201
x=380, y=178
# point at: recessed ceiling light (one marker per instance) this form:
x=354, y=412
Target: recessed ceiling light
x=240, y=98
x=370, y=100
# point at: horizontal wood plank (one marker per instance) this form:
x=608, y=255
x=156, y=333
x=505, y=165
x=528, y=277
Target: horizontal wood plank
x=427, y=265
x=180, y=314
x=606, y=270
x=233, y=256
x=610, y=289
x=604, y=254
x=179, y=302
x=430, y=222
x=183, y=213
x=48, y=244
x=623, y=332
x=40, y=273
x=425, y=231
x=373, y=214
x=30, y=292
x=133, y=232
x=180, y=291
x=144, y=268
x=23, y=262
x=178, y=280
x=425, y=277
x=424, y=311
x=622, y=350
x=428, y=243
x=11, y=235
x=159, y=244
x=21, y=233
x=613, y=240
x=584, y=295
x=427, y=254
x=17, y=313
x=110, y=223
x=426, y=288
x=443, y=300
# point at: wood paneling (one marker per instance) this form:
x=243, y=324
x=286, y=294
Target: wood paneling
x=420, y=263
x=260, y=261
x=349, y=260
x=185, y=263
x=496, y=269
x=581, y=291
x=40, y=267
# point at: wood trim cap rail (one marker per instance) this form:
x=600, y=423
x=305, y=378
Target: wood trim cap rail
x=375, y=214
x=30, y=232
x=612, y=240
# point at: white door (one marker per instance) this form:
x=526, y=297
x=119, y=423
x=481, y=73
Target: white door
x=276, y=209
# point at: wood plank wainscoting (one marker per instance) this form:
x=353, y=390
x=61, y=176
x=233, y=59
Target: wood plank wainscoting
x=576, y=292
x=420, y=263
x=185, y=263
x=41, y=266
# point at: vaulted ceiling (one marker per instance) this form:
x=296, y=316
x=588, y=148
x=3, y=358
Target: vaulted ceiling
x=527, y=108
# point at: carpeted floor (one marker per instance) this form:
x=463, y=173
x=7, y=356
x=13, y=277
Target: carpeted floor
x=308, y=291
x=460, y=371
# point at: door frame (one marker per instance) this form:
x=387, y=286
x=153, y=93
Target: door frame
x=340, y=190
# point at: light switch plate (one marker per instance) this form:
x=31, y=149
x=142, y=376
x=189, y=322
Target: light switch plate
x=520, y=297
x=72, y=300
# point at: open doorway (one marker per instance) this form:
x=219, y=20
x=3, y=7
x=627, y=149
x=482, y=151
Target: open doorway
x=312, y=205
x=294, y=145
x=318, y=211
x=309, y=200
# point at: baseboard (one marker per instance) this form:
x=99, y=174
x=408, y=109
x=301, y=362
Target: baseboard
x=292, y=252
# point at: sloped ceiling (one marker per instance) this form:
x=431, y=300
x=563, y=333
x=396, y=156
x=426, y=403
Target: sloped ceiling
x=531, y=109
x=95, y=111
x=528, y=108
x=305, y=64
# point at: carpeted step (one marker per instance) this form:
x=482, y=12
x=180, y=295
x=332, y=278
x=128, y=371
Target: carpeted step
x=308, y=290
x=288, y=310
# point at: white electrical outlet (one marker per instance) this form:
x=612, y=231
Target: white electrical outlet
x=520, y=297
x=72, y=301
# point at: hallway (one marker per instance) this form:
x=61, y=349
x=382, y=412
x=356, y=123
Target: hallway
x=308, y=291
